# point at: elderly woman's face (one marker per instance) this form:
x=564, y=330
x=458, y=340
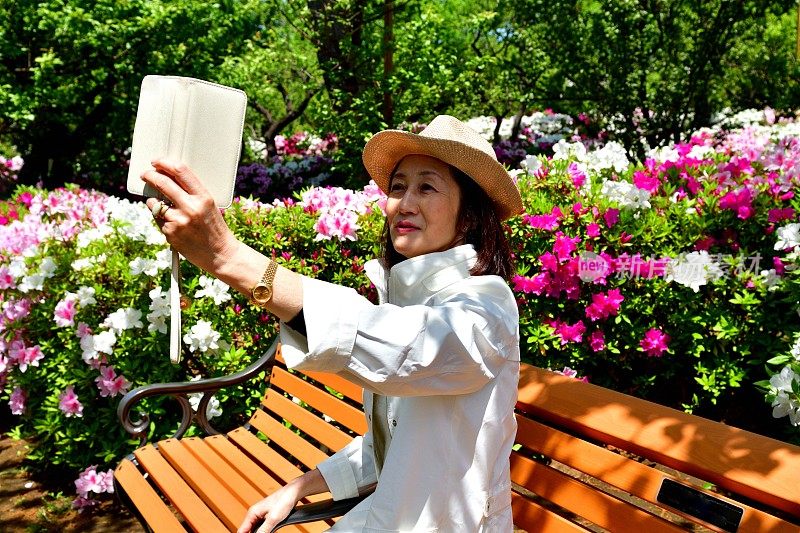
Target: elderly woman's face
x=422, y=208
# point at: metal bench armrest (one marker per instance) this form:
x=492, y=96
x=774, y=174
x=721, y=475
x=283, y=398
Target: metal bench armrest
x=180, y=391
x=312, y=512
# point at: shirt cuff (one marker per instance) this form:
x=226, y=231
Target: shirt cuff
x=339, y=475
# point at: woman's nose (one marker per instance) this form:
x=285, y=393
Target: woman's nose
x=408, y=203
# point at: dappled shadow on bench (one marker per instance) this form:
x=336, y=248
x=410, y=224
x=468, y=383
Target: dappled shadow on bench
x=640, y=444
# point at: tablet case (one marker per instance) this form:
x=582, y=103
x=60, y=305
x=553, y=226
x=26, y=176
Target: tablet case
x=193, y=121
x=200, y=124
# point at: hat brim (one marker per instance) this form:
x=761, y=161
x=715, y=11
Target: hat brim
x=387, y=148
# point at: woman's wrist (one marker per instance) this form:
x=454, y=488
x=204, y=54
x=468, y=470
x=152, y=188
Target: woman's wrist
x=308, y=484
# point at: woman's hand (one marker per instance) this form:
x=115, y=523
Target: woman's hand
x=193, y=225
x=271, y=509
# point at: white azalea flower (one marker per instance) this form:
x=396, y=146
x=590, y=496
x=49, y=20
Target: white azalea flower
x=141, y=265
x=771, y=279
x=626, y=194
x=782, y=382
x=212, y=408
x=531, y=164
x=662, y=154
x=565, y=150
x=786, y=405
x=33, y=282
x=124, y=318
x=611, y=156
x=214, y=289
x=202, y=337
x=17, y=268
x=48, y=267
x=84, y=296
x=788, y=236
x=693, y=270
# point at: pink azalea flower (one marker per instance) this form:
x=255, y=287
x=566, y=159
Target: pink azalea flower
x=83, y=330
x=565, y=245
x=29, y=356
x=779, y=215
x=17, y=401
x=611, y=216
x=90, y=480
x=568, y=333
x=577, y=175
x=654, y=343
x=649, y=183
x=570, y=373
x=109, y=383
x=593, y=230
x=597, y=341
x=739, y=201
x=6, y=279
x=69, y=404
x=65, y=312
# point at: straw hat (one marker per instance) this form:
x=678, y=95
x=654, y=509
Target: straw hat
x=450, y=140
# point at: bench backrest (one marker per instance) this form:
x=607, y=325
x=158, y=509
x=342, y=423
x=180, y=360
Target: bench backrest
x=596, y=455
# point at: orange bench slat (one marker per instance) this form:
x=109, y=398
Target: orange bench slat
x=145, y=498
x=290, y=441
x=306, y=421
x=214, y=493
x=596, y=506
x=178, y=492
x=320, y=400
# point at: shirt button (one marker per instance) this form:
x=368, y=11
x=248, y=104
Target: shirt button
x=394, y=423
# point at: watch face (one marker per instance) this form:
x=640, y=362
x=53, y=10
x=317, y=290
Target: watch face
x=262, y=293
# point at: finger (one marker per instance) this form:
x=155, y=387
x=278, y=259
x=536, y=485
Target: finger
x=165, y=186
x=181, y=173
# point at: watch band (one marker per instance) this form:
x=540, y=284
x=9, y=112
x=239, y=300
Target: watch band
x=261, y=294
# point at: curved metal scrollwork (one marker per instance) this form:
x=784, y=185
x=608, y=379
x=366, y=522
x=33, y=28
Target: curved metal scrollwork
x=180, y=391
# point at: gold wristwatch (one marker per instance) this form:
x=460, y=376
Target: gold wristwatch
x=261, y=294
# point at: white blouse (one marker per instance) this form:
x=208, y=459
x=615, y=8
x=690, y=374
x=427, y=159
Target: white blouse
x=444, y=347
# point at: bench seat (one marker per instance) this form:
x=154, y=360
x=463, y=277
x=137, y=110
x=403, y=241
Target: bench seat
x=586, y=459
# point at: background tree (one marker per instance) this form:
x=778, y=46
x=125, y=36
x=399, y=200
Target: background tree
x=70, y=73
x=651, y=66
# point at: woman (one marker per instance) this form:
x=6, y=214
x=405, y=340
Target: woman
x=438, y=357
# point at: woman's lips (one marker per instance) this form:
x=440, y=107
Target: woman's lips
x=405, y=227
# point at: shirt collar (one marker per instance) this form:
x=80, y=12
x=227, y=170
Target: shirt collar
x=415, y=280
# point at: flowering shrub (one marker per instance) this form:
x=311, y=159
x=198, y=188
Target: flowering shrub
x=8, y=171
x=301, y=160
x=675, y=280
x=83, y=311
x=666, y=279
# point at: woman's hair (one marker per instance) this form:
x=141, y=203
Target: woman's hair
x=479, y=225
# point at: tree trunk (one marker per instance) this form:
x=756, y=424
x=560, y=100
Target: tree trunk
x=388, y=61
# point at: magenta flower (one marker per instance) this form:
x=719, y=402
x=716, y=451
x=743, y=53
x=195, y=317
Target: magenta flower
x=69, y=404
x=740, y=201
x=604, y=305
x=109, y=383
x=565, y=245
x=547, y=222
x=593, y=230
x=17, y=401
x=597, y=341
x=65, y=312
x=568, y=333
x=779, y=215
x=654, y=343
x=577, y=175
x=611, y=216
x=649, y=183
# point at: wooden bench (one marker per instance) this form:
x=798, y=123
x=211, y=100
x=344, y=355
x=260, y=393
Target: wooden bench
x=587, y=459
